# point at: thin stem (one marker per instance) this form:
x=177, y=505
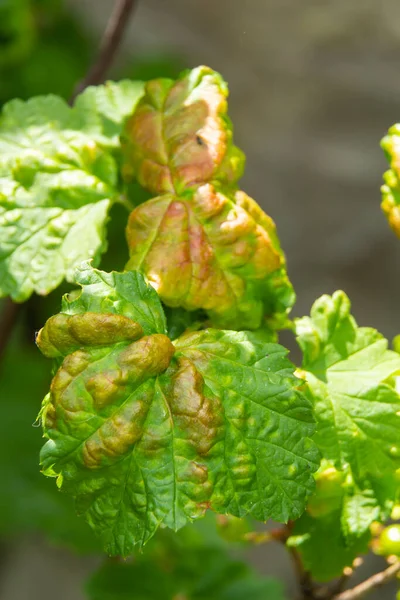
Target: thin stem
x=329, y=592
x=361, y=590
x=124, y=201
x=302, y=576
x=278, y=534
x=109, y=45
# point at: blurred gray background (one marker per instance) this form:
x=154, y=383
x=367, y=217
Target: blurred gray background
x=314, y=85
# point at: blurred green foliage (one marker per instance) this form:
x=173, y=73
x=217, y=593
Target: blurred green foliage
x=166, y=570
x=29, y=502
x=44, y=48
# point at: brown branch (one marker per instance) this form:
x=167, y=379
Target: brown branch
x=361, y=590
x=306, y=585
x=278, y=534
x=8, y=320
x=303, y=577
x=329, y=592
x=109, y=45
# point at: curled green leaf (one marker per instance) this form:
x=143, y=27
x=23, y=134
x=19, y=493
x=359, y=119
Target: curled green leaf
x=202, y=244
x=64, y=334
x=217, y=251
x=180, y=136
x=145, y=433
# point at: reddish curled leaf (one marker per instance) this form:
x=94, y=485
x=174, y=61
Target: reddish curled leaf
x=180, y=136
x=216, y=250
x=201, y=243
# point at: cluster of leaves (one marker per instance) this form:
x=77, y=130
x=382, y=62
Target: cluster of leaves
x=217, y=448
x=171, y=395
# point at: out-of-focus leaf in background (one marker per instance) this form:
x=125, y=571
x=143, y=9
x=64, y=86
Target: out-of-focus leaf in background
x=43, y=49
x=322, y=521
x=28, y=501
x=17, y=31
x=166, y=570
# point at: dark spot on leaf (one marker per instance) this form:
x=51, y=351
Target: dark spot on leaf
x=200, y=141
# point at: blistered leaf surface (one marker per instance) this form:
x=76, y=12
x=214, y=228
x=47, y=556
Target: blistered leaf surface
x=216, y=251
x=145, y=433
x=266, y=422
x=351, y=381
x=58, y=180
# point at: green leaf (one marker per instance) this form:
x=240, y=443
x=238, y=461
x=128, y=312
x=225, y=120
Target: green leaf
x=267, y=422
x=126, y=294
x=145, y=434
x=58, y=181
x=104, y=109
x=56, y=188
x=351, y=381
x=215, y=250
x=181, y=567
